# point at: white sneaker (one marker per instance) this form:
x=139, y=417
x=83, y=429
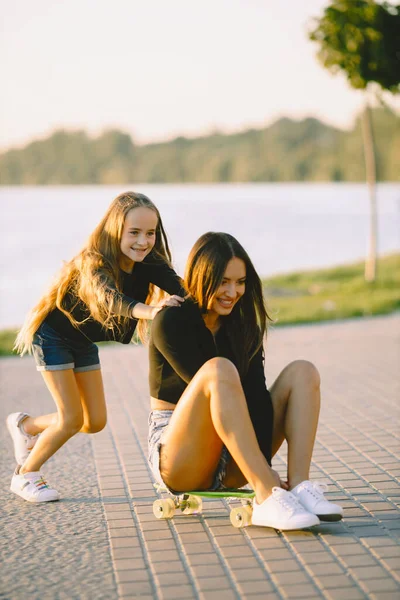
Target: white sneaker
x=281, y=510
x=33, y=487
x=311, y=496
x=23, y=442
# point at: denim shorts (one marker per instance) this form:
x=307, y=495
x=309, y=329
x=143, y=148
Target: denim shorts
x=158, y=422
x=52, y=352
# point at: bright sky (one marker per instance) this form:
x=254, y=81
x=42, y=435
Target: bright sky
x=162, y=68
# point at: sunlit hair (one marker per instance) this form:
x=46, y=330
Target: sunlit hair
x=87, y=277
x=247, y=323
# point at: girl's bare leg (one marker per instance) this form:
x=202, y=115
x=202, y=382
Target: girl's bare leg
x=296, y=401
x=35, y=425
x=93, y=405
x=91, y=389
x=212, y=412
x=80, y=402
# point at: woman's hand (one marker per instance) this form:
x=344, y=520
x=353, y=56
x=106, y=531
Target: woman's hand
x=279, y=482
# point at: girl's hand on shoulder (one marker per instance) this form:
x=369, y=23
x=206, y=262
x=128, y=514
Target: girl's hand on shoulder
x=167, y=301
x=170, y=301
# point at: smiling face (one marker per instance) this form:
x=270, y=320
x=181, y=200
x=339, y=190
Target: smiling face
x=230, y=291
x=138, y=236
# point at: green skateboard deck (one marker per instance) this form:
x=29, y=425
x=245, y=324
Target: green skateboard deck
x=226, y=493
x=190, y=503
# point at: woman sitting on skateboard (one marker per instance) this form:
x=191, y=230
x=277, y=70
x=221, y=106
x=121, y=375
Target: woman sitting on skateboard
x=213, y=423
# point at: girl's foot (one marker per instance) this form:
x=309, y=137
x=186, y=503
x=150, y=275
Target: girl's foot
x=23, y=442
x=281, y=510
x=33, y=487
x=311, y=496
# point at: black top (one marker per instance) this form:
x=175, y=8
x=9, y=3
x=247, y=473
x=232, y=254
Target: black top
x=180, y=344
x=134, y=290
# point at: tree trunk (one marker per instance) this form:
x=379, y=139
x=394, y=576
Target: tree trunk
x=370, y=168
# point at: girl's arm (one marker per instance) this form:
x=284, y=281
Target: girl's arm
x=146, y=311
x=163, y=276
x=122, y=305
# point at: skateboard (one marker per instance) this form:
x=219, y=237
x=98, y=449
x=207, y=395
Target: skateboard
x=190, y=503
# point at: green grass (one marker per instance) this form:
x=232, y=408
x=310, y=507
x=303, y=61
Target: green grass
x=7, y=339
x=335, y=293
x=317, y=295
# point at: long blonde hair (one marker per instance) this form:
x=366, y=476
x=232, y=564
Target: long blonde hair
x=88, y=276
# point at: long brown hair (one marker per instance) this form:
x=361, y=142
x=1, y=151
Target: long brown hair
x=246, y=326
x=88, y=276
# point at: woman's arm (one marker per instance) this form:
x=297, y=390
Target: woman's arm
x=259, y=403
x=185, y=342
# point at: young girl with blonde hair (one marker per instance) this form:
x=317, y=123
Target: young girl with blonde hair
x=99, y=295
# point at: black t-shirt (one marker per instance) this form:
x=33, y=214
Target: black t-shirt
x=134, y=290
x=180, y=344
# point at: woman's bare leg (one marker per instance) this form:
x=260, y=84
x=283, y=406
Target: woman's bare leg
x=93, y=404
x=296, y=401
x=77, y=397
x=212, y=412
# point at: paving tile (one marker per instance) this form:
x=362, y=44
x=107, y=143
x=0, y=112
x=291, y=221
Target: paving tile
x=332, y=568
x=380, y=585
x=334, y=581
x=218, y=595
x=171, y=592
x=137, y=587
x=255, y=587
x=302, y=590
x=214, y=571
x=168, y=566
x=175, y=578
x=295, y=576
x=129, y=575
x=277, y=566
x=132, y=564
x=214, y=583
x=345, y=593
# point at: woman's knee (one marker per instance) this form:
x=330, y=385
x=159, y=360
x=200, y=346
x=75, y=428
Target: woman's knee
x=220, y=369
x=306, y=372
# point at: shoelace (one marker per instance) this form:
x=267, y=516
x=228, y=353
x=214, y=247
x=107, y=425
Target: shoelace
x=287, y=500
x=315, y=488
x=40, y=483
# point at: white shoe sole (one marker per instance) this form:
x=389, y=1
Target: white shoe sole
x=288, y=527
x=35, y=500
x=332, y=517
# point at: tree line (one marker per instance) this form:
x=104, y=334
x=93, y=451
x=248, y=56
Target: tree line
x=287, y=150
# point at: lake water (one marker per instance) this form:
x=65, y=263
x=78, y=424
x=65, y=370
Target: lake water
x=284, y=227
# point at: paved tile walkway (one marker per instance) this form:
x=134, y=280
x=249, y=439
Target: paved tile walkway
x=102, y=540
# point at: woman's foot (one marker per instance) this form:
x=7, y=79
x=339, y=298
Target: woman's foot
x=311, y=496
x=281, y=510
x=33, y=487
x=23, y=442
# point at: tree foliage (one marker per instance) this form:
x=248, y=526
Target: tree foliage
x=288, y=150
x=361, y=38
